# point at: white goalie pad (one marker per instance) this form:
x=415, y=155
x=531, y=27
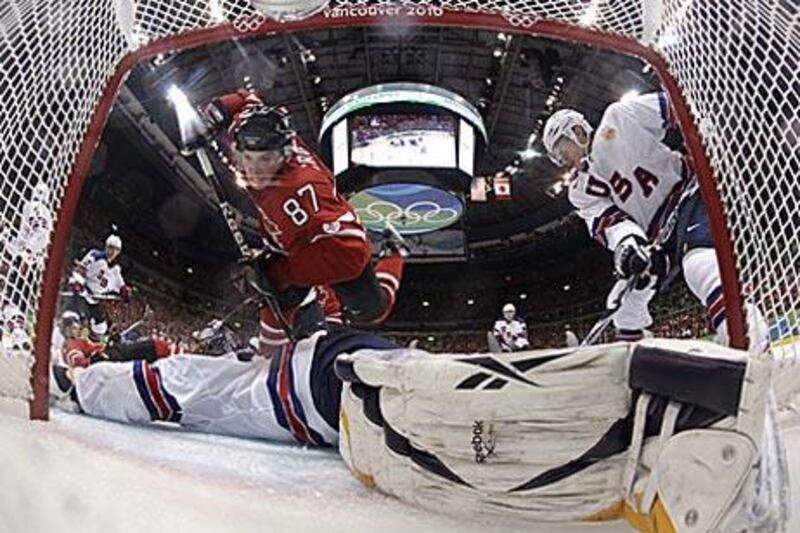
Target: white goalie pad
x=563, y=435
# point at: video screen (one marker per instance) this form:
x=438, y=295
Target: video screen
x=408, y=140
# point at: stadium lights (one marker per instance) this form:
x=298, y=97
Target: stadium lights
x=667, y=38
x=470, y=302
x=189, y=270
x=590, y=15
x=530, y=153
x=215, y=11
x=316, y=80
x=523, y=296
x=498, y=53
x=567, y=287
x=426, y=303
x=307, y=56
x=502, y=37
x=430, y=338
x=189, y=122
x=630, y=95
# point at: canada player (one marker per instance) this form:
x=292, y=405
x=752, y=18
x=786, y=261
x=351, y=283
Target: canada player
x=626, y=185
x=96, y=276
x=313, y=233
x=511, y=332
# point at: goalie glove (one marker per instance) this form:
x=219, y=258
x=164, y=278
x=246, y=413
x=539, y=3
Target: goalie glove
x=631, y=257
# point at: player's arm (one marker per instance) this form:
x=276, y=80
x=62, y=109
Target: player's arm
x=609, y=225
x=648, y=114
x=116, y=284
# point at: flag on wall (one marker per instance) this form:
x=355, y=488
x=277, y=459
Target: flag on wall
x=477, y=191
x=502, y=188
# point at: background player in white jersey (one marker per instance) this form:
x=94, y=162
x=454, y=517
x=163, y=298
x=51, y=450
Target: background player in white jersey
x=29, y=241
x=510, y=332
x=626, y=185
x=23, y=250
x=95, y=278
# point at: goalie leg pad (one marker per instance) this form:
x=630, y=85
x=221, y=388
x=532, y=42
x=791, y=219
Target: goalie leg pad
x=565, y=435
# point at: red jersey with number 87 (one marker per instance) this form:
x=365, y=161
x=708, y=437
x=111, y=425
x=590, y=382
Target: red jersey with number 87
x=302, y=206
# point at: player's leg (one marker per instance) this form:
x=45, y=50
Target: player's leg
x=209, y=394
x=98, y=326
x=698, y=259
x=300, y=310
x=666, y=434
x=326, y=386
x=633, y=316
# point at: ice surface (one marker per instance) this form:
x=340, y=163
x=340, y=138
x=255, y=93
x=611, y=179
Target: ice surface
x=77, y=474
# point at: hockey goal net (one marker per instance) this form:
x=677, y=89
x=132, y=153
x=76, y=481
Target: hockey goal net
x=730, y=67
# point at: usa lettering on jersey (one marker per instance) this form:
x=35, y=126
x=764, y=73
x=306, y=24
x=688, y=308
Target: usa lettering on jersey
x=631, y=180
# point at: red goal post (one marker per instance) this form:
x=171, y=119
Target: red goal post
x=724, y=67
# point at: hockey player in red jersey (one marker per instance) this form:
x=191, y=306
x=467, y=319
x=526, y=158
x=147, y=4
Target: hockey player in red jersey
x=313, y=233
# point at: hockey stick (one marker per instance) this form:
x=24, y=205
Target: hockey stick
x=655, y=247
x=103, y=297
x=246, y=253
x=217, y=323
x=148, y=313
x=195, y=136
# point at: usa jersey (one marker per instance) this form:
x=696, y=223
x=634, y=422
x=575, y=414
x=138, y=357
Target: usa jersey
x=302, y=206
x=97, y=276
x=293, y=397
x=512, y=335
x=631, y=181
x=33, y=236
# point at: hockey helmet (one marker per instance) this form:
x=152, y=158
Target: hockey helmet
x=113, y=241
x=68, y=320
x=40, y=192
x=259, y=128
x=509, y=310
x=560, y=125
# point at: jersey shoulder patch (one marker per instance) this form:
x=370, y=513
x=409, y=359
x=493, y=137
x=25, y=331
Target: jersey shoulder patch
x=96, y=254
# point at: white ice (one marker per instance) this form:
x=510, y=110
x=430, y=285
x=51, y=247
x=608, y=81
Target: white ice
x=77, y=474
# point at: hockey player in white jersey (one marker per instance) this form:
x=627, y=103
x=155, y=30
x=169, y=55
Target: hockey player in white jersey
x=29, y=241
x=97, y=276
x=510, y=331
x=23, y=251
x=627, y=185
x=291, y=397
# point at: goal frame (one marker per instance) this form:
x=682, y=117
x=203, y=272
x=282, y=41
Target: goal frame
x=38, y=405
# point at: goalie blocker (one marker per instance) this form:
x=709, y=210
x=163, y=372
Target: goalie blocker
x=668, y=435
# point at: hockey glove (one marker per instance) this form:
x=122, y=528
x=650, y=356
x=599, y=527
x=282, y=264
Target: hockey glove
x=393, y=243
x=632, y=257
x=125, y=293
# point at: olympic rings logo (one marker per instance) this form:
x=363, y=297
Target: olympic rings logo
x=422, y=212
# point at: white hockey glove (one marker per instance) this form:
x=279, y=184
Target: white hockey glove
x=631, y=257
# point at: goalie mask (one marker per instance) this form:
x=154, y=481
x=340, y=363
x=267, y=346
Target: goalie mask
x=561, y=124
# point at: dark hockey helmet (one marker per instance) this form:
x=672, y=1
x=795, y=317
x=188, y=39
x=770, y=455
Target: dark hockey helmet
x=260, y=128
x=67, y=321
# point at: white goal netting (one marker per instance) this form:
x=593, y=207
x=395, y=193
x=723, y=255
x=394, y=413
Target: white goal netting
x=735, y=63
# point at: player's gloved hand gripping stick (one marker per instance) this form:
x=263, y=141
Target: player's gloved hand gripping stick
x=617, y=296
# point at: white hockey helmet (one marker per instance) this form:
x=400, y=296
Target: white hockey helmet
x=40, y=192
x=509, y=309
x=559, y=125
x=113, y=241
